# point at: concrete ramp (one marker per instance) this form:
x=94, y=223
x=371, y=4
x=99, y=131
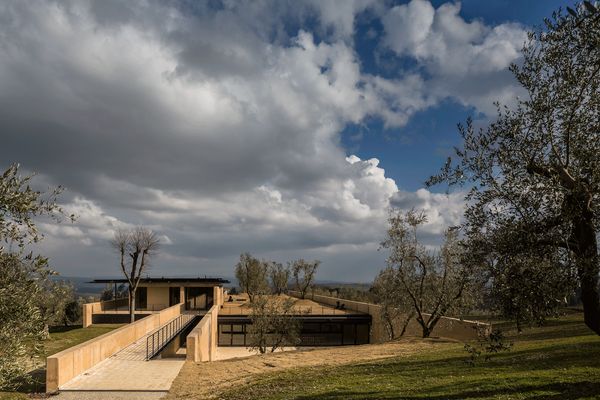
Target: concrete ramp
x=128, y=370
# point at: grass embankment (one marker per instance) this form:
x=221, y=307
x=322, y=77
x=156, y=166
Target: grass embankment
x=61, y=338
x=558, y=361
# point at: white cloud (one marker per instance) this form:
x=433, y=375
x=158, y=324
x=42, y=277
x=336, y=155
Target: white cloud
x=220, y=129
x=467, y=61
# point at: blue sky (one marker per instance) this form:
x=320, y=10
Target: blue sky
x=287, y=129
x=412, y=153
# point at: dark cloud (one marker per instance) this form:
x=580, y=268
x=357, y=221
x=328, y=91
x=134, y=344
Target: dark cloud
x=216, y=126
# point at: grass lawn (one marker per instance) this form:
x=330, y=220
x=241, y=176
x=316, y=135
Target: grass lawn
x=558, y=361
x=61, y=338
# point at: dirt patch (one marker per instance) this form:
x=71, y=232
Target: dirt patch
x=207, y=380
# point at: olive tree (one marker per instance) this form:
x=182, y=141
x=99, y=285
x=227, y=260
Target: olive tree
x=273, y=323
x=304, y=274
x=135, y=247
x=280, y=276
x=23, y=275
x=252, y=275
x=436, y=284
x=533, y=175
x=395, y=305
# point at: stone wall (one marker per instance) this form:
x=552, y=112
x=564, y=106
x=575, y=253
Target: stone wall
x=453, y=328
x=65, y=365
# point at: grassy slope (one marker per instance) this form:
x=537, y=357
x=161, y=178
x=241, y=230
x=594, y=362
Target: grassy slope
x=558, y=361
x=61, y=338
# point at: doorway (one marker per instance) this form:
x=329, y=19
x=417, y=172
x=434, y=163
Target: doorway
x=198, y=298
x=174, y=296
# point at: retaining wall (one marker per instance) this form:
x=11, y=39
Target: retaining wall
x=90, y=309
x=65, y=365
x=201, y=343
x=453, y=328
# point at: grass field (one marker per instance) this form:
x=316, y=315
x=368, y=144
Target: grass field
x=558, y=361
x=61, y=338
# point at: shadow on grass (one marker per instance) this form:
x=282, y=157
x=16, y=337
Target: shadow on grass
x=35, y=382
x=60, y=329
x=565, y=391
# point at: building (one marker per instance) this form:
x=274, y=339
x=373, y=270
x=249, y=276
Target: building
x=156, y=294
x=321, y=325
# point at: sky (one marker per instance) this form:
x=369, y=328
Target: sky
x=287, y=129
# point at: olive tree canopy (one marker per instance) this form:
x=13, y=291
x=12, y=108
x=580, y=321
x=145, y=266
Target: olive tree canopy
x=252, y=275
x=533, y=205
x=25, y=288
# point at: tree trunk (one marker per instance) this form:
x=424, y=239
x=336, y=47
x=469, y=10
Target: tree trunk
x=406, y=322
x=131, y=306
x=588, y=269
x=426, y=331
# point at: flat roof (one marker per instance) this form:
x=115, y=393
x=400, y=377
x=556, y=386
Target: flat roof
x=165, y=280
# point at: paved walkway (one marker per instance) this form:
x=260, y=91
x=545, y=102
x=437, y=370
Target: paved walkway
x=108, y=395
x=127, y=370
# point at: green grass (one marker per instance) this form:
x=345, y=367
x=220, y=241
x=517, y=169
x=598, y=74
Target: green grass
x=558, y=361
x=61, y=338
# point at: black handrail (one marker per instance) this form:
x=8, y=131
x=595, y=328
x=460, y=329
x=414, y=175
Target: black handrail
x=162, y=336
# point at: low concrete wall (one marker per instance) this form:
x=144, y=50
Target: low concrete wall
x=90, y=308
x=201, y=343
x=64, y=366
x=446, y=327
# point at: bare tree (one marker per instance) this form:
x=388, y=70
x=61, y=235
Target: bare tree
x=135, y=247
x=252, y=275
x=304, y=274
x=274, y=323
x=280, y=277
x=436, y=283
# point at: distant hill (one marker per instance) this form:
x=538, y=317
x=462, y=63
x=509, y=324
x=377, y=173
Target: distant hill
x=82, y=285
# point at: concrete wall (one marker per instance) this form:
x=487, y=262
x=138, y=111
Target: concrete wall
x=218, y=296
x=201, y=343
x=62, y=367
x=158, y=298
x=99, y=306
x=446, y=327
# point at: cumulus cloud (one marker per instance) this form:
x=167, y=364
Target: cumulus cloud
x=467, y=61
x=220, y=128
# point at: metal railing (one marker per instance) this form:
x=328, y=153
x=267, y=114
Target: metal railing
x=162, y=336
x=303, y=310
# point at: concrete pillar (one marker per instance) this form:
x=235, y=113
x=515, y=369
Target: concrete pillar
x=87, y=315
x=181, y=294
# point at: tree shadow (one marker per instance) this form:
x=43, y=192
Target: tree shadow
x=63, y=328
x=33, y=382
x=564, y=391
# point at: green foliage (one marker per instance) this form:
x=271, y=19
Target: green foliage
x=252, y=274
x=533, y=205
x=429, y=284
x=29, y=300
x=73, y=312
x=304, y=274
x=487, y=345
x=20, y=204
x=22, y=324
x=394, y=302
x=280, y=277
x=273, y=324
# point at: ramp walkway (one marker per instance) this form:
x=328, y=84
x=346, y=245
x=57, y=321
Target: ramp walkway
x=133, y=368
